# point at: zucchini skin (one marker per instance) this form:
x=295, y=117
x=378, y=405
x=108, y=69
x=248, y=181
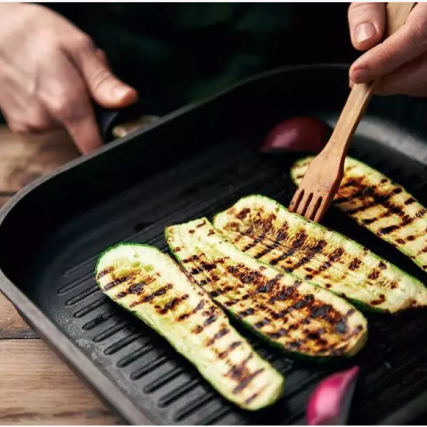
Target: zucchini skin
x=151, y=285
x=379, y=204
x=298, y=317
x=267, y=231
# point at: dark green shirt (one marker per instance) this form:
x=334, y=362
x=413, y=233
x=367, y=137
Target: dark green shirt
x=174, y=53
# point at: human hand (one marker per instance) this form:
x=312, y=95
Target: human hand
x=50, y=71
x=401, y=59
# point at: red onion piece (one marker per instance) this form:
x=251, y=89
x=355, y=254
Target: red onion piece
x=298, y=134
x=330, y=402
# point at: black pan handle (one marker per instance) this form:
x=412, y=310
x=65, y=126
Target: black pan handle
x=108, y=119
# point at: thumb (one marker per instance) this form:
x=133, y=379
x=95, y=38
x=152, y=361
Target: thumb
x=105, y=88
x=367, y=23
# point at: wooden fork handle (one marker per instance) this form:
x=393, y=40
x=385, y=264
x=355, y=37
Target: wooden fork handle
x=360, y=95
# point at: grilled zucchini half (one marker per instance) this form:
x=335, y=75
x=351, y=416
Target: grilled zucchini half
x=151, y=285
x=382, y=206
x=290, y=313
x=267, y=231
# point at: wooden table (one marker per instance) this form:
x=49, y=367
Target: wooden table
x=35, y=386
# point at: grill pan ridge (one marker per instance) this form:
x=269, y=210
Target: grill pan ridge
x=192, y=164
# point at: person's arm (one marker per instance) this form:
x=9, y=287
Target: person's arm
x=401, y=58
x=49, y=73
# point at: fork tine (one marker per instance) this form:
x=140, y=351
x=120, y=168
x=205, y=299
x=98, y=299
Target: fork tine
x=296, y=200
x=305, y=204
x=314, y=208
x=320, y=212
x=325, y=205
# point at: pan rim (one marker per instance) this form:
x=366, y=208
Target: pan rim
x=63, y=346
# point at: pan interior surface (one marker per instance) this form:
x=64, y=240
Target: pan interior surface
x=197, y=165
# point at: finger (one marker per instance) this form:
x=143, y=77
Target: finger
x=30, y=125
x=104, y=87
x=103, y=57
x=24, y=128
x=410, y=79
x=367, y=23
x=24, y=117
x=39, y=120
x=66, y=98
x=83, y=129
x=406, y=44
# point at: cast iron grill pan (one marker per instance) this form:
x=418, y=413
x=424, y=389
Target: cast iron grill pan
x=137, y=204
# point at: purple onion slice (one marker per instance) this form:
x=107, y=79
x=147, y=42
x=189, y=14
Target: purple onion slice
x=330, y=402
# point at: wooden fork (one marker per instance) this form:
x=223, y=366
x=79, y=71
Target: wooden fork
x=324, y=175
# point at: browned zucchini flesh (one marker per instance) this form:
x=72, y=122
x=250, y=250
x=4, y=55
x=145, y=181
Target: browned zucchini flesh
x=267, y=231
x=151, y=285
x=293, y=314
x=377, y=203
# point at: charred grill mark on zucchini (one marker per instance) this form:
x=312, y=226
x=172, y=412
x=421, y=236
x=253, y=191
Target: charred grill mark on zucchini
x=221, y=333
x=115, y=282
x=244, y=382
x=295, y=301
x=197, y=329
x=210, y=320
x=135, y=288
x=188, y=314
x=254, y=243
x=313, y=253
x=374, y=275
x=104, y=272
x=190, y=259
x=387, y=230
x=382, y=206
x=230, y=349
x=247, y=312
x=296, y=316
x=149, y=297
x=379, y=301
x=171, y=303
x=356, y=263
x=382, y=265
x=238, y=372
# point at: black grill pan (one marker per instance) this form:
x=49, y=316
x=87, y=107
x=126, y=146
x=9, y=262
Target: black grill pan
x=196, y=162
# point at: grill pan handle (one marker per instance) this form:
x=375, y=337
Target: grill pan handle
x=115, y=124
